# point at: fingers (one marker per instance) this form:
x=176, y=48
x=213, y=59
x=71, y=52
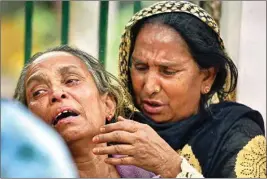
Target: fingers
x=120, y=118
x=121, y=149
x=121, y=161
x=122, y=124
x=115, y=136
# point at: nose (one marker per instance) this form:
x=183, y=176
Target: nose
x=152, y=82
x=57, y=95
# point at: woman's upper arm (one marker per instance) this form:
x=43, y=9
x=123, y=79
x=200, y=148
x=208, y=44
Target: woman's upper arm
x=243, y=153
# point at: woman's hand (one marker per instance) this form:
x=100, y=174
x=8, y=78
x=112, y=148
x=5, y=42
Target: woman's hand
x=141, y=145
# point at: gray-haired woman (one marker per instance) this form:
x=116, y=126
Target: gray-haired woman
x=69, y=90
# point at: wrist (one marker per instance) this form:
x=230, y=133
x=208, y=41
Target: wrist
x=173, y=168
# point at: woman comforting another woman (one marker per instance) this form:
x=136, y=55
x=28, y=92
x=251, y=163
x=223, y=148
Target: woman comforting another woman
x=174, y=65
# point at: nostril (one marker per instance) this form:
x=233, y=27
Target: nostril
x=54, y=100
x=63, y=96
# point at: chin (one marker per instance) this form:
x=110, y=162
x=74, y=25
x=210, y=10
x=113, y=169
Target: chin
x=157, y=118
x=71, y=136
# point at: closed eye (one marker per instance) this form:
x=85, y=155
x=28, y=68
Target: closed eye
x=169, y=72
x=166, y=72
x=140, y=67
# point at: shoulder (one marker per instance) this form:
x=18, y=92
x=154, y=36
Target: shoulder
x=242, y=151
x=232, y=113
x=225, y=135
x=250, y=161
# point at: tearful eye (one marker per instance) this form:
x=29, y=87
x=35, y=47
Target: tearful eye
x=72, y=81
x=37, y=93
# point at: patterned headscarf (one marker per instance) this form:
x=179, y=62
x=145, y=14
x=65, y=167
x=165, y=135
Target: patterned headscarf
x=160, y=8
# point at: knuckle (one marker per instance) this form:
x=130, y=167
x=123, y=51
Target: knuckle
x=134, y=124
x=101, y=137
x=138, y=140
x=123, y=160
x=146, y=126
x=108, y=128
x=117, y=149
x=117, y=136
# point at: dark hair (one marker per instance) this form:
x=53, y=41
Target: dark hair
x=103, y=79
x=204, y=46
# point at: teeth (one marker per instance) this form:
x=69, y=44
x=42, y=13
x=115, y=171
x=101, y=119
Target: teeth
x=58, y=115
x=72, y=113
x=62, y=113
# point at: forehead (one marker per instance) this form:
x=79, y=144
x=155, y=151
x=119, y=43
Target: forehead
x=54, y=60
x=161, y=32
x=163, y=41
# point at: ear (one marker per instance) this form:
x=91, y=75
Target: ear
x=109, y=105
x=209, y=77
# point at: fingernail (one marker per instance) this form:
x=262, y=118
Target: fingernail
x=95, y=150
x=102, y=129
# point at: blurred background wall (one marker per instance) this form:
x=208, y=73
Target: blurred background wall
x=242, y=23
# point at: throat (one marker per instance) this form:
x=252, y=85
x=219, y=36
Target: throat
x=97, y=168
x=88, y=164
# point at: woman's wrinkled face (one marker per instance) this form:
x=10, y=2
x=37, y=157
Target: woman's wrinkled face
x=161, y=61
x=62, y=92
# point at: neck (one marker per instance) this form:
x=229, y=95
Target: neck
x=88, y=164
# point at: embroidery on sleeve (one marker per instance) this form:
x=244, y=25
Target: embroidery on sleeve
x=251, y=160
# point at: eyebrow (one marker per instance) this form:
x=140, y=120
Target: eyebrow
x=40, y=77
x=135, y=60
x=162, y=63
x=66, y=69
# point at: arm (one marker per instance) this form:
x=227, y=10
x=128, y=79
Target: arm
x=243, y=154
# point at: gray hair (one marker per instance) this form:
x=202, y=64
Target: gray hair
x=103, y=79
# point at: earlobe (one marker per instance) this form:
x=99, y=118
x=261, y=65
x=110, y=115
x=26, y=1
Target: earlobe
x=210, y=75
x=109, y=117
x=110, y=106
x=206, y=90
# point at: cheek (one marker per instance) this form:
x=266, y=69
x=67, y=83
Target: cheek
x=182, y=87
x=92, y=106
x=189, y=81
x=87, y=97
x=38, y=109
x=137, y=81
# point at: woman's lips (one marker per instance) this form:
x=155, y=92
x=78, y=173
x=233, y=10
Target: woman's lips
x=66, y=120
x=152, y=109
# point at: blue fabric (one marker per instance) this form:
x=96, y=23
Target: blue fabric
x=30, y=148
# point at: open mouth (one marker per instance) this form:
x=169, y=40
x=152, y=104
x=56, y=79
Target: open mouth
x=63, y=115
x=152, y=108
